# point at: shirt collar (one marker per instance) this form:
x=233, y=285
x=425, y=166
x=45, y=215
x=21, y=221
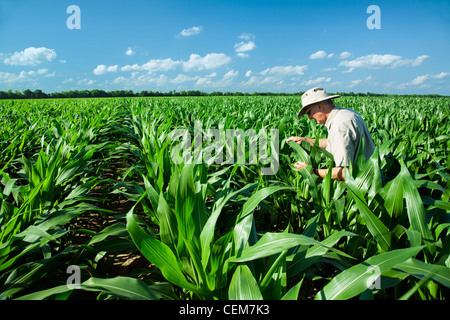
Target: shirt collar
x=331, y=116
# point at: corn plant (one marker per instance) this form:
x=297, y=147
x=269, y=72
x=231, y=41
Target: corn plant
x=217, y=230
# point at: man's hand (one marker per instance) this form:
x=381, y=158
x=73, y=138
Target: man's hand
x=300, y=165
x=297, y=140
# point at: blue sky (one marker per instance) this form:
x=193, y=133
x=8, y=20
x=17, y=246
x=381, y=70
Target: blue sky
x=247, y=46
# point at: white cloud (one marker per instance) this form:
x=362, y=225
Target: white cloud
x=419, y=60
x=195, y=63
x=86, y=81
x=102, y=69
x=246, y=36
x=130, y=52
x=182, y=78
x=275, y=78
x=316, y=81
x=318, y=55
x=345, y=55
x=144, y=80
x=354, y=83
x=190, y=31
x=242, y=55
x=377, y=61
x=24, y=76
x=210, y=61
x=153, y=65
x=9, y=78
x=248, y=44
x=230, y=75
x=244, y=46
x=285, y=70
x=421, y=79
x=31, y=56
x=226, y=80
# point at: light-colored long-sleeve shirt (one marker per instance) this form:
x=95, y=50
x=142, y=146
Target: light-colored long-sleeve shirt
x=345, y=128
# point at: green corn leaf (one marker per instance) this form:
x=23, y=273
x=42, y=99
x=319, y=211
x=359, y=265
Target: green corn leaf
x=243, y=285
x=301, y=260
x=116, y=229
x=44, y=294
x=292, y=294
x=393, y=197
x=357, y=279
x=122, y=287
x=256, y=198
x=158, y=253
x=378, y=230
x=421, y=270
x=414, y=205
x=168, y=229
x=272, y=243
x=244, y=221
x=300, y=152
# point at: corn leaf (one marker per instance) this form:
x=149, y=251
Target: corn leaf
x=158, y=253
x=414, y=205
x=243, y=285
x=378, y=230
x=421, y=270
x=272, y=243
x=357, y=279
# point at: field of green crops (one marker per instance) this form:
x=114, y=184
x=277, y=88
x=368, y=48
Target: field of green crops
x=94, y=205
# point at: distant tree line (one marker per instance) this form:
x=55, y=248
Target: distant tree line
x=96, y=93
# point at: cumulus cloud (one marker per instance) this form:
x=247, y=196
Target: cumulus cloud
x=24, y=76
x=130, y=52
x=210, y=61
x=242, y=55
x=421, y=79
x=102, y=69
x=248, y=44
x=285, y=70
x=209, y=80
x=195, y=63
x=153, y=65
x=244, y=46
x=345, y=55
x=318, y=55
x=354, y=83
x=31, y=56
x=226, y=80
x=246, y=36
x=316, y=81
x=275, y=78
x=86, y=82
x=377, y=61
x=190, y=31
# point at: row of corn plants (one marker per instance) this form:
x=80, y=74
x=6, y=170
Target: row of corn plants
x=215, y=230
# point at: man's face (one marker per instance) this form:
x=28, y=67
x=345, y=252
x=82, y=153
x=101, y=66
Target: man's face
x=316, y=113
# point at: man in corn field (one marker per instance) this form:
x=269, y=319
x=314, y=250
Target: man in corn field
x=345, y=128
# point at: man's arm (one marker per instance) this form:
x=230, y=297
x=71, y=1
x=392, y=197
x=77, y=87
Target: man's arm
x=337, y=173
x=298, y=140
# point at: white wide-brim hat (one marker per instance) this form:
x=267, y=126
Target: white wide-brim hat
x=312, y=96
